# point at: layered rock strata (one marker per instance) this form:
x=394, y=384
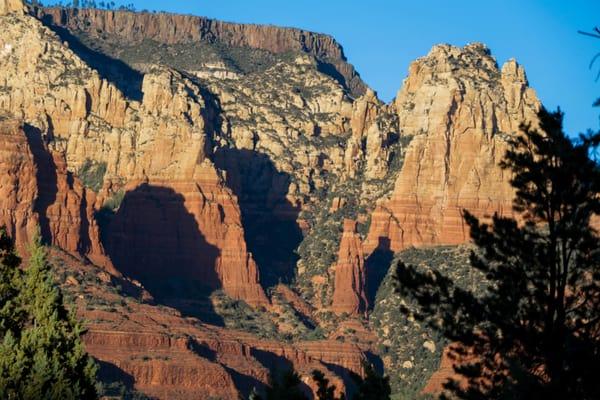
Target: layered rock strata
x=38, y=193
x=161, y=139
x=459, y=108
x=133, y=28
x=157, y=351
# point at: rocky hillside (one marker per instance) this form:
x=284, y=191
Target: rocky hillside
x=231, y=196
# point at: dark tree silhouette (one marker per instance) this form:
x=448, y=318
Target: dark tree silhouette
x=595, y=34
x=535, y=331
x=324, y=390
x=373, y=386
x=287, y=386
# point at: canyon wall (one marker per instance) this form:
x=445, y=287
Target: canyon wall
x=37, y=192
x=172, y=29
x=87, y=120
x=211, y=178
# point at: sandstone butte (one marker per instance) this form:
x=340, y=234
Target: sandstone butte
x=459, y=115
x=214, y=167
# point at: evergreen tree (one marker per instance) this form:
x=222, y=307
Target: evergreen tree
x=11, y=316
x=324, y=390
x=535, y=332
x=284, y=387
x=42, y=356
x=373, y=386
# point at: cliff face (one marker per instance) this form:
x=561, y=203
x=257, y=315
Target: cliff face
x=37, y=191
x=458, y=107
x=194, y=158
x=174, y=29
x=89, y=120
x=168, y=229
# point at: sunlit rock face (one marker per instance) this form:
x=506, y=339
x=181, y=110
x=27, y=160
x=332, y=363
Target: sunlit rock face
x=459, y=107
x=188, y=157
x=161, y=138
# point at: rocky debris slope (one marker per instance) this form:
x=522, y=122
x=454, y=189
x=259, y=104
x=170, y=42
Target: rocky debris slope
x=458, y=106
x=162, y=354
x=409, y=348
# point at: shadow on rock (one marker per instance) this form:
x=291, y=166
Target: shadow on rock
x=46, y=177
x=127, y=79
x=153, y=239
x=269, y=218
x=377, y=266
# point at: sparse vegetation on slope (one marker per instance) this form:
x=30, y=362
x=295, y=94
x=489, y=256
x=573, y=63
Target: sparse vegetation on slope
x=410, y=349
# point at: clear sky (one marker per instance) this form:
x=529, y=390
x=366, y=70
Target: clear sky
x=382, y=37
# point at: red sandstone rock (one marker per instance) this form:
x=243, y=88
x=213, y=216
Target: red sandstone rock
x=350, y=282
x=171, y=357
x=435, y=384
x=36, y=190
x=185, y=229
x=18, y=184
x=458, y=118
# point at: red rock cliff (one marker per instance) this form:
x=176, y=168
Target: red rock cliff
x=458, y=107
x=37, y=191
x=161, y=139
x=190, y=229
x=171, y=29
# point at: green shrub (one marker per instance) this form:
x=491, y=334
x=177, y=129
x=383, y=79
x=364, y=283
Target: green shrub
x=92, y=174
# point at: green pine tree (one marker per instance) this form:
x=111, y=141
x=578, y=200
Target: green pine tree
x=10, y=279
x=41, y=356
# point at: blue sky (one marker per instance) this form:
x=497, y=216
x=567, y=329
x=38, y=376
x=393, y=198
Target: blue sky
x=382, y=37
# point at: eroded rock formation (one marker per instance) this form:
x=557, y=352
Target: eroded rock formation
x=350, y=278
x=187, y=229
x=458, y=107
x=37, y=192
x=173, y=29
x=237, y=172
x=157, y=351
x=163, y=137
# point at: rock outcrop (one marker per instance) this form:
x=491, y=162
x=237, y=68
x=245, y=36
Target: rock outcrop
x=458, y=107
x=162, y=138
x=157, y=351
x=11, y=6
x=206, y=160
x=37, y=192
x=349, y=294
x=169, y=229
x=133, y=28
